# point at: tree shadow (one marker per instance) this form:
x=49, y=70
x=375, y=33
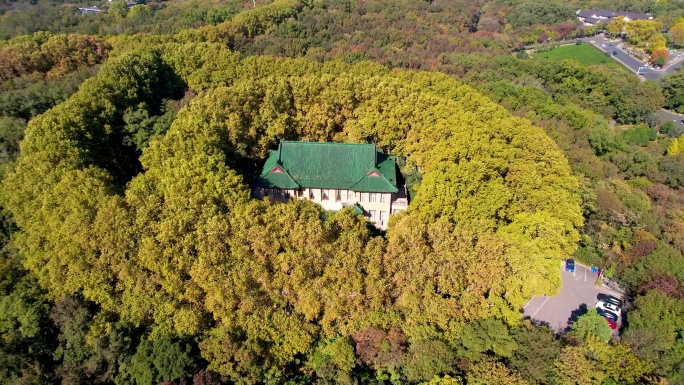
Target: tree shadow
x=538, y=323
x=575, y=314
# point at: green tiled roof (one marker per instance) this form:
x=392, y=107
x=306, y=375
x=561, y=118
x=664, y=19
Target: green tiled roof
x=346, y=166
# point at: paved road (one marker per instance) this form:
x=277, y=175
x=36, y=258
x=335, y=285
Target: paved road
x=669, y=115
x=578, y=294
x=629, y=61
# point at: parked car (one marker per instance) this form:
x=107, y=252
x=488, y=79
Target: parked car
x=611, y=323
x=607, y=314
x=610, y=299
x=608, y=306
x=614, y=53
x=570, y=265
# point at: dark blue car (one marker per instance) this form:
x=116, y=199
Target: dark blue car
x=570, y=265
x=607, y=314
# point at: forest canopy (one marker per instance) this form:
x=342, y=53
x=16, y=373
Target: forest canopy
x=132, y=252
x=164, y=234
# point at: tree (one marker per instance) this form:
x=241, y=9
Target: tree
x=140, y=13
x=427, y=359
x=673, y=90
x=573, y=367
x=156, y=226
x=537, y=350
x=616, y=26
x=671, y=166
x=675, y=147
x=657, y=42
x=591, y=325
x=677, y=34
x=640, y=31
x=11, y=133
x=333, y=361
x=118, y=8
x=636, y=101
x=640, y=135
x=530, y=13
x=490, y=372
x=380, y=349
x=26, y=335
x=163, y=359
x=489, y=335
x=655, y=332
x=659, y=56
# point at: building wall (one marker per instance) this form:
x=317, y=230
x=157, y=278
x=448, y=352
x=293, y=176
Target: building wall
x=377, y=206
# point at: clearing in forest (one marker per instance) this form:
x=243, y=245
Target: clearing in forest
x=583, y=53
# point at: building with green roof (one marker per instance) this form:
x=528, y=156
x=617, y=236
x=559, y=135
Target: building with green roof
x=335, y=175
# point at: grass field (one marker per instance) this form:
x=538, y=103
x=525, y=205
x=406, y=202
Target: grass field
x=584, y=53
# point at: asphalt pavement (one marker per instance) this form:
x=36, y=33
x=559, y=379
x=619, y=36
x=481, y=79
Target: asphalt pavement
x=578, y=294
x=632, y=63
x=669, y=115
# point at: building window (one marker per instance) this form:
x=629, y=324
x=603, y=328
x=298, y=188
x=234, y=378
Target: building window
x=364, y=197
x=286, y=194
x=338, y=197
x=372, y=215
x=373, y=197
x=324, y=194
x=350, y=195
x=311, y=194
x=382, y=218
x=383, y=198
x=276, y=193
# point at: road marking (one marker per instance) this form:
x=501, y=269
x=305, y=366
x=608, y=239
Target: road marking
x=535, y=313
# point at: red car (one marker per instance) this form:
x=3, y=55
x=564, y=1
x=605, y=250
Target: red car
x=611, y=323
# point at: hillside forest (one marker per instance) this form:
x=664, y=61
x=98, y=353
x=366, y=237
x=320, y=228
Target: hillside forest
x=133, y=253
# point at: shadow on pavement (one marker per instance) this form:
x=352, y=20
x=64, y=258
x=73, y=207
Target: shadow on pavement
x=575, y=314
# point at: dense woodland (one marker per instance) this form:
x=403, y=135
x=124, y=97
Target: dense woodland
x=132, y=252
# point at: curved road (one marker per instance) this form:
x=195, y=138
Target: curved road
x=629, y=61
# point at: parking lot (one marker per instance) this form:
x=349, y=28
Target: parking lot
x=578, y=294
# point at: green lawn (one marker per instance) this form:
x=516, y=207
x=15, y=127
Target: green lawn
x=584, y=53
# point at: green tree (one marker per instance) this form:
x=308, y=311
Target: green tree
x=26, y=342
x=163, y=359
x=639, y=32
x=119, y=9
x=673, y=85
x=333, y=361
x=11, y=133
x=591, y=325
x=427, y=359
x=490, y=372
x=489, y=335
x=637, y=101
x=616, y=26
x=537, y=350
x=655, y=332
x=676, y=32
x=573, y=367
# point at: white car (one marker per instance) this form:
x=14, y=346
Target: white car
x=608, y=306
